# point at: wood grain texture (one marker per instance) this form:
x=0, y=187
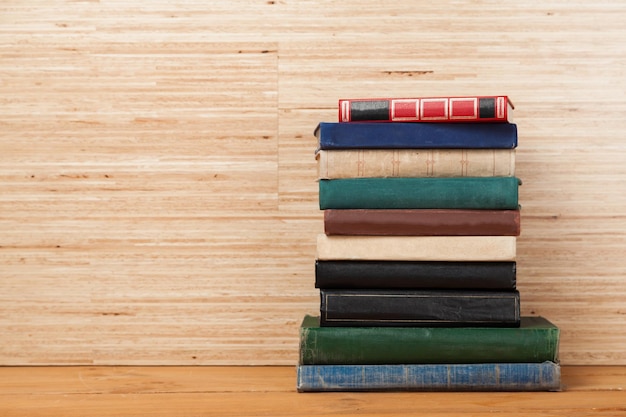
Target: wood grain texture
x=253, y=391
x=158, y=202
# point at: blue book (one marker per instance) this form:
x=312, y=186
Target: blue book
x=416, y=135
x=545, y=376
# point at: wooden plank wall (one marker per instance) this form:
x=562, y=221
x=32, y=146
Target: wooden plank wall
x=158, y=202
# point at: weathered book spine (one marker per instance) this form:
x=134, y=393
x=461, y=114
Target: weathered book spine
x=416, y=135
x=482, y=193
x=415, y=275
x=544, y=376
x=536, y=340
x=426, y=308
x=427, y=109
x=384, y=163
x=425, y=222
x=416, y=248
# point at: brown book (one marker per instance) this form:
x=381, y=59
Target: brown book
x=422, y=222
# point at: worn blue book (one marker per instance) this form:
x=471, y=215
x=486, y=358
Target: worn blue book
x=545, y=376
x=364, y=135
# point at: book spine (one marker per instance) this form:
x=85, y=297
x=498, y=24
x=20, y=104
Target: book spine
x=427, y=109
x=416, y=135
x=484, y=193
x=425, y=222
x=346, y=163
x=536, y=340
x=416, y=248
x=433, y=308
x=415, y=275
x=544, y=376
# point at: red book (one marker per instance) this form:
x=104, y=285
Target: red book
x=427, y=109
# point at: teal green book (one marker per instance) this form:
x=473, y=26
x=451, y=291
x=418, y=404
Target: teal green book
x=497, y=193
x=544, y=376
x=536, y=340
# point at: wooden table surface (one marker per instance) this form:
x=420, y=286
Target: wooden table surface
x=270, y=391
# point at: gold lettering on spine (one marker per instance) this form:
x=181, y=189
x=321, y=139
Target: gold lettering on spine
x=430, y=164
x=500, y=107
x=395, y=162
x=345, y=114
x=360, y=164
x=464, y=163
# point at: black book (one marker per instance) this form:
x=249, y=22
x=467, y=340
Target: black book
x=415, y=275
x=432, y=308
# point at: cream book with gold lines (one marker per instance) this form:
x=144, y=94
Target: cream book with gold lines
x=333, y=164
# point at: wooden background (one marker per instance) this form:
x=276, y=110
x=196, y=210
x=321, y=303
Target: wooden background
x=158, y=202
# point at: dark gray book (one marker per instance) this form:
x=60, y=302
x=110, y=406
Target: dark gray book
x=452, y=308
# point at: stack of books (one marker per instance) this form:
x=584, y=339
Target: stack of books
x=416, y=266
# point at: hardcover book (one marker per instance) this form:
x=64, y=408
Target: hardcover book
x=536, y=340
x=427, y=222
x=416, y=135
x=426, y=308
x=545, y=376
x=416, y=248
x=355, y=163
x=482, y=193
x=395, y=274
x=427, y=109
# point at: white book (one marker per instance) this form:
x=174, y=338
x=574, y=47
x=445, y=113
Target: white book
x=416, y=248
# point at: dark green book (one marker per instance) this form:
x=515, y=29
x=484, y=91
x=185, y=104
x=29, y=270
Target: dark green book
x=497, y=193
x=536, y=340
